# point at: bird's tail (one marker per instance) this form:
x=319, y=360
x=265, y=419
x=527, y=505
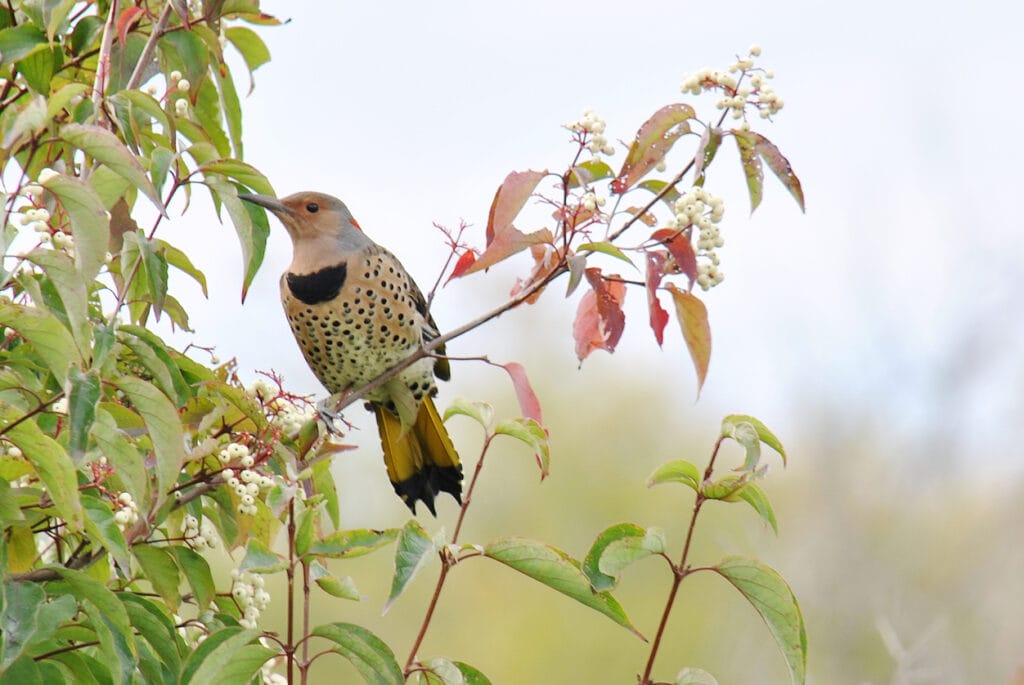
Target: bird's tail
x=422, y=460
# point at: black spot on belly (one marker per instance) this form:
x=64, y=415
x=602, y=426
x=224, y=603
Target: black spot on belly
x=319, y=286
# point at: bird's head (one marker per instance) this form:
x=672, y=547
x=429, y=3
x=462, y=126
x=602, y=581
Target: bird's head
x=314, y=219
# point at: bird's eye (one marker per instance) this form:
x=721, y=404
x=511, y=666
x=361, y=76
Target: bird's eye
x=312, y=208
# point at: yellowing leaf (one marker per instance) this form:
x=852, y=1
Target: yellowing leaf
x=693, y=320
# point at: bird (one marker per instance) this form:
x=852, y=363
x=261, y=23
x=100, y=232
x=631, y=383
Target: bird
x=356, y=312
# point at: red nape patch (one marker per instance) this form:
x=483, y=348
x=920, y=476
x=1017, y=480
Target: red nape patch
x=356, y=224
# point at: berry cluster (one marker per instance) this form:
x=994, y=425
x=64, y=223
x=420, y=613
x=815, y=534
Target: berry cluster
x=702, y=210
x=248, y=483
x=247, y=589
x=736, y=96
x=590, y=129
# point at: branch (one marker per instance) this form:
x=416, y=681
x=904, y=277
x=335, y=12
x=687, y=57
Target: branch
x=147, y=50
x=99, y=85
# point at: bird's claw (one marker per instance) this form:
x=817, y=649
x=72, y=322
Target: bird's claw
x=327, y=413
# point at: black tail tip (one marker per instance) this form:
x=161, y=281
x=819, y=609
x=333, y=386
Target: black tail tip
x=428, y=483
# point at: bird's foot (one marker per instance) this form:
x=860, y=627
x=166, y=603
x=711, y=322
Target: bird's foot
x=327, y=410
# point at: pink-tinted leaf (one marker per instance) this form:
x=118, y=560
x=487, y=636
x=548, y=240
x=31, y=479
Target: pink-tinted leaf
x=509, y=200
x=706, y=151
x=747, y=143
x=657, y=314
x=503, y=239
x=653, y=141
x=528, y=402
x=681, y=249
x=599, y=318
x=780, y=166
x=125, y=22
x=545, y=259
x=465, y=261
x=693, y=320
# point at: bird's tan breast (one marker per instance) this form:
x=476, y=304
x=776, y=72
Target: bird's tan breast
x=371, y=324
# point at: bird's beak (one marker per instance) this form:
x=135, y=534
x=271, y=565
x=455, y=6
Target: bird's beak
x=267, y=202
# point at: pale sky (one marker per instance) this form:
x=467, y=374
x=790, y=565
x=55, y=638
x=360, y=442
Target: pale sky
x=893, y=299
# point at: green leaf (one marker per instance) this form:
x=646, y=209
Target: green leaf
x=252, y=48
x=481, y=412
x=110, y=187
x=471, y=675
x=82, y=401
x=369, y=654
x=246, y=174
x=693, y=320
x=559, y=571
x=10, y=510
x=19, y=619
x=414, y=551
x=626, y=550
x=251, y=225
x=599, y=580
x=128, y=463
x=755, y=496
x=588, y=172
x=71, y=288
x=260, y=559
x=151, y=274
x=765, y=435
x=23, y=671
x=653, y=141
x=746, y=144
x=726, y=488
x=197, y=573
x=678, y=471
x=102, y=529
x=179, y=260
x=655, y=186
x=154, y=624
x=89, y=222
x=745, y=434
x=230, y=106
x=109, y=616
x=445, y=670
x=706, y=150
x=37, y=69
x=105, y=147
x=695, y=676
x=160, y=570
x=137, y=99
x=45, y=333
x=153, y=354
x=533, y=435
x=352, y=543
x=773, y=599
x=608, y=249
x=18, y=42
x=226, y=657
x=31, y=119
x=305, y=530
x=343, y=588
x=56, y=103
x=164, y=427
x=186, y=50
x=52, y=464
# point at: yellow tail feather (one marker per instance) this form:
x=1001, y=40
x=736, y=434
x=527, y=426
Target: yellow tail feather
x=421, y=461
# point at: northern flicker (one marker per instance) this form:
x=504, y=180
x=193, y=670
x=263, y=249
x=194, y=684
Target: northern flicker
x=355, y=313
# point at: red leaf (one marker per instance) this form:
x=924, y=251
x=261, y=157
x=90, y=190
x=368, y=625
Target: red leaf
x=464, y=262
x=128, y=18
x=599, y=318
x=503, y=239
x=528, y=402
x=780, y=166
x=657, y=314
x=693, y=320
x=682, y=251
x=653, y=141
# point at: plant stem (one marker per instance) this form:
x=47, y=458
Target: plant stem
x=289, y=649
x=446, y=563
x=147, y=51
x=679, y=571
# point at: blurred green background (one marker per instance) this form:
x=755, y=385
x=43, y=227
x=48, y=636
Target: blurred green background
x=877, y=335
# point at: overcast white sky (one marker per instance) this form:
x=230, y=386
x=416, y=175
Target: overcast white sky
x=895, y=296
